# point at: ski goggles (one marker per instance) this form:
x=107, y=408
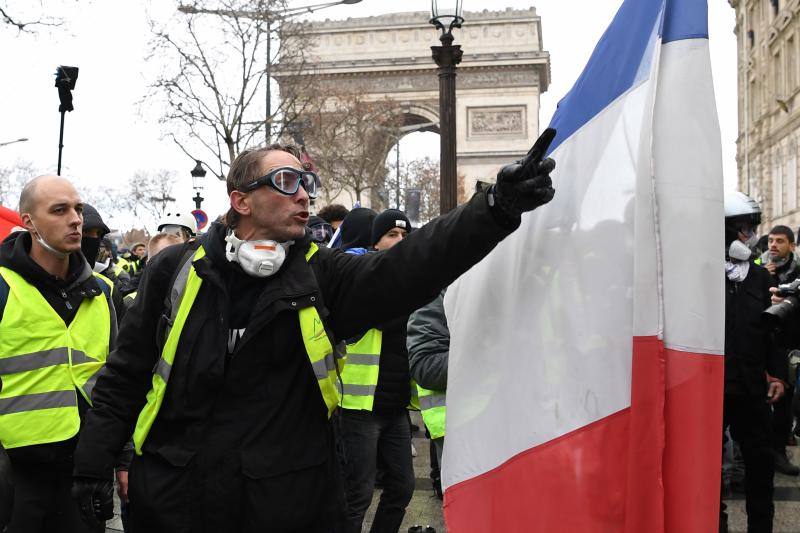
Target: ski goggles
x=287, y=180
x=321, y=233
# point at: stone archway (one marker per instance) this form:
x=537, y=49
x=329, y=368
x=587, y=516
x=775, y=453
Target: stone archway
x=500, y=80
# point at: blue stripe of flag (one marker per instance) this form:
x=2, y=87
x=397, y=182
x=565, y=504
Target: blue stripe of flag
x=617, y=64
x=685, y=19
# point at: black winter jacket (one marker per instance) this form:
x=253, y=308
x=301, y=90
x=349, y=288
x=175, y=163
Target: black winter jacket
x=750, y=350
x=258, y=413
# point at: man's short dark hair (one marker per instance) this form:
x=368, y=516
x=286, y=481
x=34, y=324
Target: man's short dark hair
x=783, y=230
x=332, y=213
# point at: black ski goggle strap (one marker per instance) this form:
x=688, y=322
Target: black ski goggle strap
x=287, y=180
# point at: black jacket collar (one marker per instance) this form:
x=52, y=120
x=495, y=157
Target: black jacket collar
x=15, y=255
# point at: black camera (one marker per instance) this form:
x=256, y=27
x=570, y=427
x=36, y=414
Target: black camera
x=777, y=315
x=65, y=82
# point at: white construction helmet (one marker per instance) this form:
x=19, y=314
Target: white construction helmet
x=183, y=219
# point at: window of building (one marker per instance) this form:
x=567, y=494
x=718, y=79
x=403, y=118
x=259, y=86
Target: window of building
x=776, y=6
x=791, y=65
x=791, y=181
x=777, y=185
x=777, y=71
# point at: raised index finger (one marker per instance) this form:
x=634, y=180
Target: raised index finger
x=539, y=148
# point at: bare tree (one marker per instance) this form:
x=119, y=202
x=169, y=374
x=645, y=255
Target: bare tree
x=22, y=22
x=416, y=175
x=12, y=179
x=348, y=136
x=214, y=85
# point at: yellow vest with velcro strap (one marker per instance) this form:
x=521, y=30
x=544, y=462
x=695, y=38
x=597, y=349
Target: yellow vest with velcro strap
x=326, y=362
x=43, y=361
x=433, y=407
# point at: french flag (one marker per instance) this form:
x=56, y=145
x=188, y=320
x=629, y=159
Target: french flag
x=586, y=365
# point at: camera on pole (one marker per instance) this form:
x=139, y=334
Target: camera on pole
x=65, y=83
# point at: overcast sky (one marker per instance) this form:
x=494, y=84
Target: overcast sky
x=107, y=139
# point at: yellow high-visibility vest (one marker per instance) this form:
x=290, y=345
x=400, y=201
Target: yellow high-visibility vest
x=43, y=361
x=360, y=376
x=326, y=362
x=434, y=408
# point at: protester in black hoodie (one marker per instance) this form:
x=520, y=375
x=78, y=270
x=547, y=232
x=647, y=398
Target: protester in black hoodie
x=356, y=231
x=58, y=323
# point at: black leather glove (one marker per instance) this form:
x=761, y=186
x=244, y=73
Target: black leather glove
x=525, y=185
x=95, y=499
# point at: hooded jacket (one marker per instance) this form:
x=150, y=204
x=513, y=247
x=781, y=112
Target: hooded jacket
x=65, y=297
x=242, y=441
x=357, y=229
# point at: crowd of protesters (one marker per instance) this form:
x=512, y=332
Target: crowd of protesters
x=254, y=377
x=259, y=376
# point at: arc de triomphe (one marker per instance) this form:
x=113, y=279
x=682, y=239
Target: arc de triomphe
x=500, y=79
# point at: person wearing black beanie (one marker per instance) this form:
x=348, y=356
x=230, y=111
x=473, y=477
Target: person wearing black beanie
x=376, y=425
x=382, y=226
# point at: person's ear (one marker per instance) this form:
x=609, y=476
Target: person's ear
x=27, y=223
x=240, y=202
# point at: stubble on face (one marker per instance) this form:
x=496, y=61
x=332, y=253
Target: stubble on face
x=274, y=215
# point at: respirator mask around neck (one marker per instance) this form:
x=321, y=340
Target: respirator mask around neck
x=261, y=258
x=45, y=244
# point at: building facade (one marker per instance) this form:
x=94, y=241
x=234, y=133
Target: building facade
x=768, y=37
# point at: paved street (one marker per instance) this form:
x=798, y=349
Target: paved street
x=425, y=508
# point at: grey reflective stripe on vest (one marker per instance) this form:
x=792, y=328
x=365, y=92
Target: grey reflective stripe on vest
x=323, y=366
x=35, y=402
x=429, y=402
x=88, y=387
x=163, y=369
x=176, y=294
x=34, y=361
x=356, y=390
x=79, y=357
x=366, y=359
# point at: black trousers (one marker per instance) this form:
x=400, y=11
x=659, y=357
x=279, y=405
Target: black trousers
x=366, y=437
x=749, y=419
x=42, y=502
x=782, y=418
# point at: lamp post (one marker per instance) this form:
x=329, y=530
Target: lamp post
x=198, y=176
x=446, y=15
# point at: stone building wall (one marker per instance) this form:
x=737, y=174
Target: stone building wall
x=768, y=36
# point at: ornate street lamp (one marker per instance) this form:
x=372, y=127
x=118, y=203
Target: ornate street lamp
x=446, y=15
x=198, y=175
